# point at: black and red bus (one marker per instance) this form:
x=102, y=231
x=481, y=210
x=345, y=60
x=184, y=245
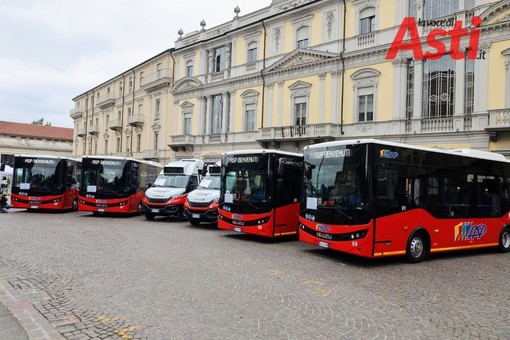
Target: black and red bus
x=112, y=184
x=45, y=182
x=260, y=192
x=374, y=198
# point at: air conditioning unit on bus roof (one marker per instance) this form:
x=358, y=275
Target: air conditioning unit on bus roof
x=481, y=154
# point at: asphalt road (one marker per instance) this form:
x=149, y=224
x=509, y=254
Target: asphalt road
x=77, y=276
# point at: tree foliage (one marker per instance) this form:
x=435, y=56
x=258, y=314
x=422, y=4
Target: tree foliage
x=40, y=121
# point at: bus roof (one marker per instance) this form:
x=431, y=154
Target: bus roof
x=262, y=151
x=47, y=156
x=124, y=159
x=492, y=156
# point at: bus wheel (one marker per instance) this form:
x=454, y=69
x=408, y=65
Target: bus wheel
x=149, y=216
x=416, y=247
x=194, y=221
x=75, y=205
x=504, y=240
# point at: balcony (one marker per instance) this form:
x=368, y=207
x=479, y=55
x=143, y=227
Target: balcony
x=314, y=133
x=157, y=80
x=182, y=142
x=106, y=100
x=76, y=113
x=150, y=154
x=115, y=124
x=80, y=132
x=136, y=120
x=93, y=130
x=366, y=40
x=499, y=121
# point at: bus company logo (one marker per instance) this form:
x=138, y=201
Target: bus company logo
x=467, y=231
x=40, y=161
x=433, y=39
x=29, y=160
x=103, y=162
x=388, y=154
x=237, y=216
x=322, y=227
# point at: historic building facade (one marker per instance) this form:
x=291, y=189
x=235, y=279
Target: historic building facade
x=302, y=71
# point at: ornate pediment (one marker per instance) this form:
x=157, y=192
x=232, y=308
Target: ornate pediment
x=496, y=13
x=301, y=57
x=186, y=84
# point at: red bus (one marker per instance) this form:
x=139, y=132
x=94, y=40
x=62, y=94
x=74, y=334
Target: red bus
x=373, y=198
x=115, y=184
x=45, y=182
x=260, y=192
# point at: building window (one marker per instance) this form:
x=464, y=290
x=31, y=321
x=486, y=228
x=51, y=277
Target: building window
x=438, y=87
x=187, y=123
x=130, y=84
x=217, y=112
x=128, y=143
x=365, y=105
x=139, y=109
x=410, y=89
x=219, y=59
x=130, y=112
x=119, y=116
x=141, y=79
x=439, y=8
x=156, y=112
x=252, y=52
x=156, y=137
x=367, y=20
x=118, y=144
x=106, y=146
x=120, y=88
x=249, y=114
x=469, y=87
x=108, y=90
x=189, y=69
x=302, y=37
x=107, y=122
x=138, y=142
x=300, y=113
x=158, y=70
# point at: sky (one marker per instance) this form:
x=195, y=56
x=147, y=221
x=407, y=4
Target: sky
x=54, y=50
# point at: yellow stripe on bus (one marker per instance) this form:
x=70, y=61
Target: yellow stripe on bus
x=438, y=250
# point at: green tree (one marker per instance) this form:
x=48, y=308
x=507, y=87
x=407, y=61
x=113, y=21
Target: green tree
x=41, y=122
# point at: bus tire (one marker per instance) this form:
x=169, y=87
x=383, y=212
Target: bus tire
x=150, y=216
x=417, y=247
x=74, y=207
x=504, y=240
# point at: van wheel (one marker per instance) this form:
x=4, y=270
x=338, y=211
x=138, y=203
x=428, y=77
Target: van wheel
x=504, y=240
x=149, y=216
x=417, y=247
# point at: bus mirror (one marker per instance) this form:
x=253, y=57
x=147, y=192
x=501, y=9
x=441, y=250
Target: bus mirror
x=308, y=170
x=281, y=167
x=279, y=184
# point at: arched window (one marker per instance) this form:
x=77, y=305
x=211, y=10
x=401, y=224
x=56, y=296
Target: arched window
x=302, y=35
x=367, y=20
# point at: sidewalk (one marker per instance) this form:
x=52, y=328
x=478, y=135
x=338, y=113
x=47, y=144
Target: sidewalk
x=10, y=327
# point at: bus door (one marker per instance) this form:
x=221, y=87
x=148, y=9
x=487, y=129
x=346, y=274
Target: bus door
x=288, y=195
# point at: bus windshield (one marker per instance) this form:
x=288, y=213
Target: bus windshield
x=336, y=185
x=172, y=181
x=106, y=177
x=210, y=182
x=246, y=180
x=39, y=176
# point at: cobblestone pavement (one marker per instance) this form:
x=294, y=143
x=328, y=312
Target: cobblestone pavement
x=77, y=276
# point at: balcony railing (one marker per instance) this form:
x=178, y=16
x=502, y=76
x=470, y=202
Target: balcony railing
x=136, y=120
x=106, y=100
x=499, y=118
x=76, y=113
x=150, y=154
x=300, y=132
x=440, y=124
x=181, y=142
x=93, y=130
x=159, y=78
x=367, y=39
x=115, y=124
x=80, y=132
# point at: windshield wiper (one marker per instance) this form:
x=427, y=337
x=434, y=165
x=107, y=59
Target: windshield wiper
x=339, y=210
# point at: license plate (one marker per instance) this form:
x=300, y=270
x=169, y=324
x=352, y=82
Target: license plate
x=195, y=216
x=238, y=230
x=155, y=210
x=34, y=207
x=324, y=244
x=100, y=210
